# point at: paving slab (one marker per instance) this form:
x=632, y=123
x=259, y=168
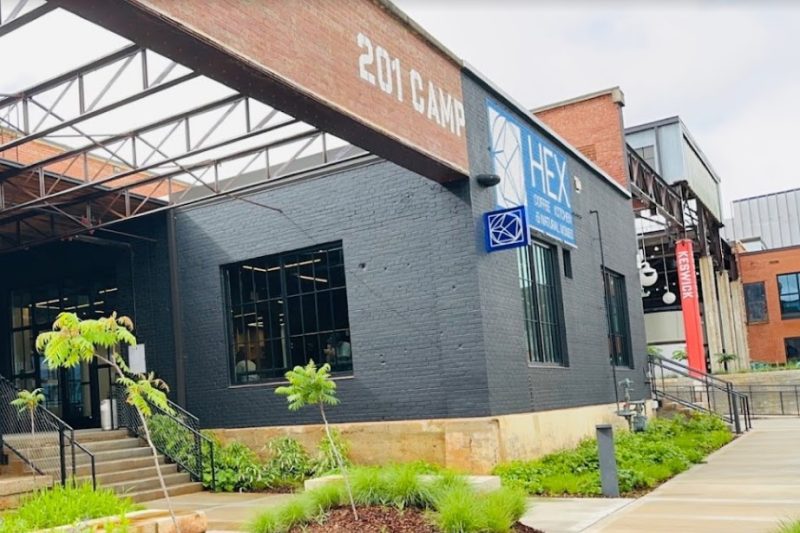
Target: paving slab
x=568, y=515
x=749, y=486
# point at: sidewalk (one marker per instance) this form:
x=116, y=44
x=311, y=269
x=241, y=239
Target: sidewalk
x=749, y=486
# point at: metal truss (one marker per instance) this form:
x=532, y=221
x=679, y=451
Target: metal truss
x=21, y=13
x=650, y=189
x=215, y=149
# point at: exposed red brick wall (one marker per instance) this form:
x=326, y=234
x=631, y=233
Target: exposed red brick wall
x=313, y=46
x=766, y=341
x=596, y=128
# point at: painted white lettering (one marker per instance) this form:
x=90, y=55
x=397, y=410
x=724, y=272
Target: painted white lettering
x=460, y=119
x=384, y=66
x=446, y=110
x=433, y=107
x=416, y=89
x=366, y=58
x=536, y=162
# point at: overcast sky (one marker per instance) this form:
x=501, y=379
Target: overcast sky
x=730, y=69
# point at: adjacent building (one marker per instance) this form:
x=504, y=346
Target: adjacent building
x=676, y=195
x=766, y=229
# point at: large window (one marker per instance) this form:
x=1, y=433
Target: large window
x=789, y=291
x=619, y=341
x=541, y=300
x=755, y=298
x=286, y=309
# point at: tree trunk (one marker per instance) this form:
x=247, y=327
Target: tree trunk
x=339, y=460
x=158, y=470
x=33, y=442
x=119, y=372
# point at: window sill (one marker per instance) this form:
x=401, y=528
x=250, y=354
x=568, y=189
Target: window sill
x=548, y=366
x=280, y=382
x=793, y=316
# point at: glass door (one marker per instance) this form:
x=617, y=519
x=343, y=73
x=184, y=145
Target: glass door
x=73, y=394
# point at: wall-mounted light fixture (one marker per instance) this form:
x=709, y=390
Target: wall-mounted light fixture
x=487, y=180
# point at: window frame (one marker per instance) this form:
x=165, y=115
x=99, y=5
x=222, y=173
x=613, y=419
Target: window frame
x=533, y=323
x=284, y=300
x=796, y=294
x=623, y=359
x=763, y=286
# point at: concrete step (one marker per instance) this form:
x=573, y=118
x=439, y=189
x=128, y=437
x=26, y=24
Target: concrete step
x=110, y=478
x=94, y=435
x=119, y=465
x=157, y=494
x=82, y=458
x=148, y=483
x=96, y=447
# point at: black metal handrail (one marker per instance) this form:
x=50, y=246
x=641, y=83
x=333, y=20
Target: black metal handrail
x=50, y=433
x=733, y=407
x=183, y=444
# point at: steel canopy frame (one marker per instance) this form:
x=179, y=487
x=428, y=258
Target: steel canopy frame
x=72, y=190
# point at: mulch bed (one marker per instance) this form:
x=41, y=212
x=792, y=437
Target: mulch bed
x=380, y=520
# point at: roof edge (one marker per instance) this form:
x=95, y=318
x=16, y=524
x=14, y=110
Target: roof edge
x=617, y=96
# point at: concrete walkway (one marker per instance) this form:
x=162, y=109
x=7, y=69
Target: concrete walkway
x=749, y=486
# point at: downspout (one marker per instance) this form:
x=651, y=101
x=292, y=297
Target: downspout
x=175, y=304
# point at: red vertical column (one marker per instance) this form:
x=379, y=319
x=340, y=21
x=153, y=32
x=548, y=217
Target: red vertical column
x=690, y=305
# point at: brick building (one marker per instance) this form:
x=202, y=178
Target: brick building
x=771, y=291
x=368, y=254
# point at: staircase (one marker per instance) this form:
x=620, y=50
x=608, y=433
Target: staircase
x=681, y=389
x=122, y=463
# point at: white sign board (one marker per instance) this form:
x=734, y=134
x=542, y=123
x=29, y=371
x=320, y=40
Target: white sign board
x=136, y=359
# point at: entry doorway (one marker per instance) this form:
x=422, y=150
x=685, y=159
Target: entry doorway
x=73, y=394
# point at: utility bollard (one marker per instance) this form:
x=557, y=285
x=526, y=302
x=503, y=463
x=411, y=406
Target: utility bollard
x=608, y=461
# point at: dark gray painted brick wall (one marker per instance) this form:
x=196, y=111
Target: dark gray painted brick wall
x=414, y=306
x=436, y=323
x=516, y=386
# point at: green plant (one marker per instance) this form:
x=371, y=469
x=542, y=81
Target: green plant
x=454, y=506
x=310, y=385
x=680, y=355
x=644, y=459
x=29, y=401
x=73, y=340
x=238, y=469
x=326, y=458
x=64, y=505
x=725, y=358
x=289, y=462
x=654, y=351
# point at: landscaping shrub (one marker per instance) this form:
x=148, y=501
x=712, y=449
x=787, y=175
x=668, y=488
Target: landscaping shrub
x=644, y=459
x=59, y=506
x=453, y=506
x=325, y=462
x=289, y=462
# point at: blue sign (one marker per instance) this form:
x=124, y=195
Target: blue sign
x=506, y=228
x=533, y=173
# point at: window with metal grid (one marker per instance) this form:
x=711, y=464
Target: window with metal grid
x=541, y=301
x=286, y=309
x=789, y=293
x=619, y=334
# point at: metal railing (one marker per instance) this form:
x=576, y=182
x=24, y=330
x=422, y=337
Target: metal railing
x=697, y=390
x=42, y=440
x=176, y=435
x=773, y=400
